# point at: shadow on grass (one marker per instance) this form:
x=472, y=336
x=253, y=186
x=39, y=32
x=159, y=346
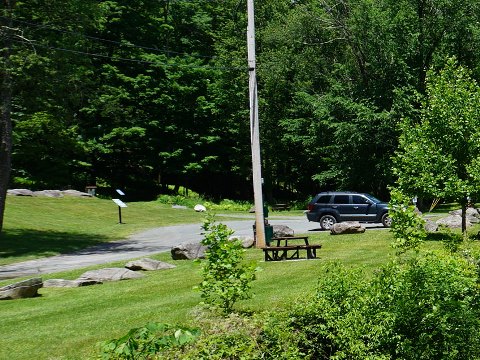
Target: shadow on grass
x=23, y=243
x=444, y=236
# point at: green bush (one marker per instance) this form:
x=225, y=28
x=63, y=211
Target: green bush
x=146, y=342
x=191, y=201
x=407, y=226
x=226, y=278
x=425, y=308
x=223, y=337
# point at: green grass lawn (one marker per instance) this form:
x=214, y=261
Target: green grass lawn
x=36, y=227
x=67, y=323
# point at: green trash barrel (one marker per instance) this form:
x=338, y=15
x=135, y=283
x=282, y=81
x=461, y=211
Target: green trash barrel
x=268, y=234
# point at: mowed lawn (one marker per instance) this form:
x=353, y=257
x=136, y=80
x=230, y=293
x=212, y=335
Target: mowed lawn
x=68, y=323
x=39, y=226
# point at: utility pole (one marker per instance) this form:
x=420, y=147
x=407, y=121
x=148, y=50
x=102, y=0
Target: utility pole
x=255, y=129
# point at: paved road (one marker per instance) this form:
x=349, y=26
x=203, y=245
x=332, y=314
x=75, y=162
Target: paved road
x=142, y=244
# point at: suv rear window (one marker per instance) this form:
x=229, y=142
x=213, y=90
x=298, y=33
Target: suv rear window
x=324, y=199
x=341, y=199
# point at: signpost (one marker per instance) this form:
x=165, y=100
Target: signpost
x=121, y=205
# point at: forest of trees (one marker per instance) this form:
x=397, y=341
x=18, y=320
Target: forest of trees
x=141, y=94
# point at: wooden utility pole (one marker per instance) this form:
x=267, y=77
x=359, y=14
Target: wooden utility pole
x=254, y=129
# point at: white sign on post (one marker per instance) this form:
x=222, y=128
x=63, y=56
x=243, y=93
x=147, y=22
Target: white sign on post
x=120, y=203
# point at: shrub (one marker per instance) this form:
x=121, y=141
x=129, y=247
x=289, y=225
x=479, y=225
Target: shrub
x=226, y=278
x=425, y=308
x=146, y=342
x=407, y=226
x=223, y=337
x=434, y=308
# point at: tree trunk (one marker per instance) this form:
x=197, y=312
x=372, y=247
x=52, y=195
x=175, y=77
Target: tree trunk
x=464, y=215
x=5, y=105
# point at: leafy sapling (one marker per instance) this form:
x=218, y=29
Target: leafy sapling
x=226, y=277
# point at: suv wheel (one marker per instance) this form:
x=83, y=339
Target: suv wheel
x=386, y=220
x=327, y=222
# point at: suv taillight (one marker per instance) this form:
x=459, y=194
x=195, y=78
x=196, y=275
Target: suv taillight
x=310, y=207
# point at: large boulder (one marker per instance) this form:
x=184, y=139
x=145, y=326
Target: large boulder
x=471, y=212
x=347, y=227
x=452, y=222
x=147, y=264
x=62, y=283
x=48, y=193
x=20, y=192
x=199, y=208
x=430, y=226
x=247, y=241
x=76, y=193
x=23, y=289
x=282, y=231
x=110, y=274
x=188, y=251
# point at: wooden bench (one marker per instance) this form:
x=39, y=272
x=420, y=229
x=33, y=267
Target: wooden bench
x=280, y=207
x=277, y=253
x=286, y=252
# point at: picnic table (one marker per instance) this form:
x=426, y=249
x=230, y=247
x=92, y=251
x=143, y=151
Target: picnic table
x=279, y=249
x=280, y=207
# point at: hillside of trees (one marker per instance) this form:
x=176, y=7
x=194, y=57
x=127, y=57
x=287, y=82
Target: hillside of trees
x=140, y=95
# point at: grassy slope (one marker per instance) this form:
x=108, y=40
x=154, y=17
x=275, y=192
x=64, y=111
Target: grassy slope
x=37, y=227
x=67, y=323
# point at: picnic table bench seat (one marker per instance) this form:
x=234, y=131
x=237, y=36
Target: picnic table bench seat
x=286, y=252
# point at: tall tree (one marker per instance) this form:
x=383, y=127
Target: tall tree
x=6, y=30
x=439, y=157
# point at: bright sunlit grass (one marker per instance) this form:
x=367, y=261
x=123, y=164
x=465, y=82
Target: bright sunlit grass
x=67, y=323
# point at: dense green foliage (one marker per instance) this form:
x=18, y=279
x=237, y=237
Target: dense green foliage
x=408, y=227
x=226, y=278
x=145, y=342
x=439, y=155
x=426, y=307
x=144, y=94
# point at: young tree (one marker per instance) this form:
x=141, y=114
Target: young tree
x=440, y=156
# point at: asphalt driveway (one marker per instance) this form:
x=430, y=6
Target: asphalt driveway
x=139, y=245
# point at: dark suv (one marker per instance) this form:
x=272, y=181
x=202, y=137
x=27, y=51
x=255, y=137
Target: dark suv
x=328, y=208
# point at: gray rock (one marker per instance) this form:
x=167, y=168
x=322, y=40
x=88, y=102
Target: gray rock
x=282, y=231
x=430, y=226
x=188, y=251
x=199, y=208
x=20, y=192
x=69, y=283
x=179, y=207
x=347, y=227
x=23, y=289
x=147, y=264
x=247, y=241
x=470, y=212
x=76, y=193
x=110, y=274
x=48, y=193
x=452, y=221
